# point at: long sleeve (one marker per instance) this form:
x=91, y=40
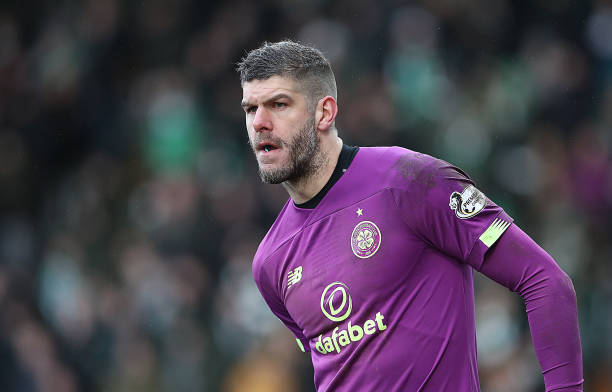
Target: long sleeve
x=457, y=218
x=518, y=263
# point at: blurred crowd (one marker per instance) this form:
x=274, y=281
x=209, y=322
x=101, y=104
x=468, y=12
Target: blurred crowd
x=130, y=205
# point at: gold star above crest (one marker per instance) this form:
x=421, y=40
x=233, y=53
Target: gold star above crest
x=359, y=212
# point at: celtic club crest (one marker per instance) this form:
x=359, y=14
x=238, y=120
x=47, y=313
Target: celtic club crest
x=365, y=239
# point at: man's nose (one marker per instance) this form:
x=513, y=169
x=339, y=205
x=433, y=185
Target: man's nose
x=261, y=121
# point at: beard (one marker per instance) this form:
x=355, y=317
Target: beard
x=304, y=157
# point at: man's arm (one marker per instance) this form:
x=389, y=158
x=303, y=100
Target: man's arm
x=441, y=203
x=518, y=263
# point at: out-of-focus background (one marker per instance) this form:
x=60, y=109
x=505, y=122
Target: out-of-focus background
x=130, y=206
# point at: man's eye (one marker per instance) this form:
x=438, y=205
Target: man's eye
x=251, y=109
x=279, y=105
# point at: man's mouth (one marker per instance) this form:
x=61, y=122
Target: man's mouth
x=266, y=146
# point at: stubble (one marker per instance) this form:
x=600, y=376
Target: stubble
x=304, y=157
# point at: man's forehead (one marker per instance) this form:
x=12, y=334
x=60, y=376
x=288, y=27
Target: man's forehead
x=257, y=89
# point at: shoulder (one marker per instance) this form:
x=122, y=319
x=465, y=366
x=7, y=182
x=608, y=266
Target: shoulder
x=401, y=167
x=415, y=178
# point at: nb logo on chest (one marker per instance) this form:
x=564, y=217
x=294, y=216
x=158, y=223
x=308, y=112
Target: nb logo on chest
x=294, y=276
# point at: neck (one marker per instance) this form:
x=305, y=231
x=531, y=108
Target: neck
x=304, y=189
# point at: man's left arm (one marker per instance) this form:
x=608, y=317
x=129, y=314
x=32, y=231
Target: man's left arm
x=518, y=263
x=441, y=204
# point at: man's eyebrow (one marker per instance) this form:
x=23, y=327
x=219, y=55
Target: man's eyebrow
x=278, y=96
x=245, y=104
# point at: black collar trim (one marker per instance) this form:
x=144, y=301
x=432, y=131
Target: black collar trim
x=344, y=161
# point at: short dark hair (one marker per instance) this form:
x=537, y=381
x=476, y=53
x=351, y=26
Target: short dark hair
x=304, y=64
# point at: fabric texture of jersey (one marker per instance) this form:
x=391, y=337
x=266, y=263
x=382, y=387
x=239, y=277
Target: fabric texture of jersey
x=376, y=281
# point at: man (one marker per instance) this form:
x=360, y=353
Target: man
x=370, y=261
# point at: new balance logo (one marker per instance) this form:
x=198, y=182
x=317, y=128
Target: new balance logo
x=294, y=276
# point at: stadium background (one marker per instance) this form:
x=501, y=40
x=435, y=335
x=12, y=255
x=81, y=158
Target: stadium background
x=130, y=204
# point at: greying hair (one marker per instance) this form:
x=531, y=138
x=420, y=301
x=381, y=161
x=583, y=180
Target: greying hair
x=304, y=64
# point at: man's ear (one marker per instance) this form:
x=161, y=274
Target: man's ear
x=326, y=112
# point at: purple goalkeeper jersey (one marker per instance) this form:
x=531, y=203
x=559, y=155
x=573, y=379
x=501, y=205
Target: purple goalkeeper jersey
x=376, y=281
